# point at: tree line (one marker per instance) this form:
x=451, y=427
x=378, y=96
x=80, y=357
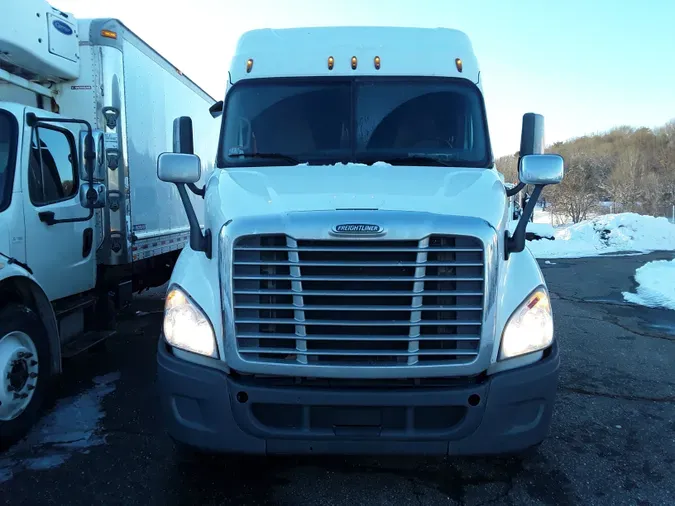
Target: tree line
x=633, y=168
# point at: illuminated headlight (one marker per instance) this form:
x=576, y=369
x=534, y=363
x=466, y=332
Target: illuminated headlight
x=530, y=327
x=186, y=327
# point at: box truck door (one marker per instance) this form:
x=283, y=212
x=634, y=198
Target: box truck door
x=61, y=255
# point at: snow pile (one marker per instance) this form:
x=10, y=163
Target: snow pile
x=610, y=233
x=656, y=285
x=541, y=230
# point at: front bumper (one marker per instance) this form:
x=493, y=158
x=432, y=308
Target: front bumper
x=210, y=410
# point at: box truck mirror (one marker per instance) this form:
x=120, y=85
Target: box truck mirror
x=93, y=196
x=99, y=153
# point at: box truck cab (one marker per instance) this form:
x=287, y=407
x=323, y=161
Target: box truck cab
x=355, y=288
x=84, y=221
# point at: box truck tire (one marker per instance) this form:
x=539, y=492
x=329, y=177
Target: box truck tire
x=25, y=370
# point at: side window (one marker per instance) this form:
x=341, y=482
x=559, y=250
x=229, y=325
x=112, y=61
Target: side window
x=53, y=166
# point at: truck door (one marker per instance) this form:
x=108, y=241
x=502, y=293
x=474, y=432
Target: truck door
x=61, y=255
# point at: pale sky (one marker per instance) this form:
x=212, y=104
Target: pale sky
x=587, y=65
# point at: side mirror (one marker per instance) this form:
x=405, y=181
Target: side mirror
x=541, y=169
x=532, y=135
x=179, y=168
x=534, y=168
x=93, y=196
x=99, y=153
x=183, y=167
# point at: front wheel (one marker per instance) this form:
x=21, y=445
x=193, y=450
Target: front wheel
x=25, y=371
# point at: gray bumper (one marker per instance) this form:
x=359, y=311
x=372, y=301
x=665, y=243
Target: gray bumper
x=212, y=411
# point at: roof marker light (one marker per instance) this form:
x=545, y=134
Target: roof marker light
x=331, y=62
x=377, y=62
x=108, y=34
x=249, y=65
x=458, y=64
x=354, y=62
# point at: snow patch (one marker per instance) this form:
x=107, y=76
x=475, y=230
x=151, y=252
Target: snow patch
x=655, y=285
x=610, y=233
x=71, y=426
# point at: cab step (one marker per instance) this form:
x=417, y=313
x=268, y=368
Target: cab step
x=85, y=342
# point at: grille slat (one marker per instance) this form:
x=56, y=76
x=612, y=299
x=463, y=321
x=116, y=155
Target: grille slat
x=364, y=293
x=380, y=279
x=354, y=323
x=368, y=264
x=319, y=337
x=358, y=302
x=346, y=353
x=357, y=249
x=359, y=308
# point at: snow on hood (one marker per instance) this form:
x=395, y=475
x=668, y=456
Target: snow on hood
x=442, y=190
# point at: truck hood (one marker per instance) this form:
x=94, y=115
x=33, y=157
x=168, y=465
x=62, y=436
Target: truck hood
x=277, y=190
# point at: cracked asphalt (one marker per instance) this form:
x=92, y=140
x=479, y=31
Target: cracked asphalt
x=612, y=440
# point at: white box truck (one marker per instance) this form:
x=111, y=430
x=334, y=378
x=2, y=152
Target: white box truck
x=356, y=288
x=83, y=219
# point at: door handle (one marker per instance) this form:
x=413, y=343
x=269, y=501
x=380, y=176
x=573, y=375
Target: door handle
x=46, y=217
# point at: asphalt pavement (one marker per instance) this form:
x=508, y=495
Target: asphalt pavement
x=612, y=441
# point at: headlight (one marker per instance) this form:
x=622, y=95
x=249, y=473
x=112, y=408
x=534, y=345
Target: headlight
x=186, y=327
x=530, y=327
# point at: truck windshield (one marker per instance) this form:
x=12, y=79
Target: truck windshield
x=403, y=121
x=7, y=152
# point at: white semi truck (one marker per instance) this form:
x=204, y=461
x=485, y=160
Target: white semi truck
x=84, y=106
x=355, y=288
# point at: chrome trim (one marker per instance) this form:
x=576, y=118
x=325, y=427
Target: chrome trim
x=401, y=225
x=118, y=219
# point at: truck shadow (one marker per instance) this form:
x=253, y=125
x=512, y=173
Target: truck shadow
x=343, y=480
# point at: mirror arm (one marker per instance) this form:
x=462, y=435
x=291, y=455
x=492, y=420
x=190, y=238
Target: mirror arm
x=196, y=190
x=516, y=243
x=513, y=191
x=198, y=241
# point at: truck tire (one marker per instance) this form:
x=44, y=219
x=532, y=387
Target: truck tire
x=25, y=371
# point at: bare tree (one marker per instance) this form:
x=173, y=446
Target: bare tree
x=577, y=195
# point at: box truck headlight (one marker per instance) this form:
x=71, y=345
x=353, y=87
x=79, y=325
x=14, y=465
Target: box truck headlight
x=186, y=326
x=530, y=327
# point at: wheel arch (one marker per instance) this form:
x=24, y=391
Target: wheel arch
x=20, y=288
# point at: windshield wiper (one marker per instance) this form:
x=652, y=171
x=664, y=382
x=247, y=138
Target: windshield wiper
x=417, y=160
x=274, y=156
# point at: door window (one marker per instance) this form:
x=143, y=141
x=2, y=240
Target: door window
x=53, y=166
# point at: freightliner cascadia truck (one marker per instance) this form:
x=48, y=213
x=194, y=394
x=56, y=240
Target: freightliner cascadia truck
x=355, y=287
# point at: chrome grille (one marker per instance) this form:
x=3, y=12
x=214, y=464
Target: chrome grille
x=358, y=302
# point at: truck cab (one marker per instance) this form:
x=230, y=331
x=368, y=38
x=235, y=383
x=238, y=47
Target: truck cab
x=356, y=288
